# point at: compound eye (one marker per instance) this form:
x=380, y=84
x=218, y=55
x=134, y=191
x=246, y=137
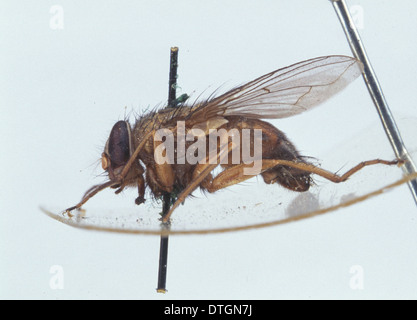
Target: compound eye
x=118, y=146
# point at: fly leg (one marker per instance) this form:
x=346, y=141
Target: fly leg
x=201, y=172
x=235, y=174
x=141, y=191
x=119, y=181
x=333, y=177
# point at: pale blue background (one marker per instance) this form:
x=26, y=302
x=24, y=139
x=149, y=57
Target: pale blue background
x=62, y=90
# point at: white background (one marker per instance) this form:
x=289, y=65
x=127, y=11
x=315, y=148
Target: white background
x=62, y=90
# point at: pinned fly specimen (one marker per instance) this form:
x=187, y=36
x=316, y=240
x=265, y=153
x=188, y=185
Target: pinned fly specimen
x=171, y=150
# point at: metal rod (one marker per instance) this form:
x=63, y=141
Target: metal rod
x=166, y=198
x=173, y=66
x=376, y=93
x=163, y=257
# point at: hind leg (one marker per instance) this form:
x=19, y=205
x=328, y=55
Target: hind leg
x=235, y=174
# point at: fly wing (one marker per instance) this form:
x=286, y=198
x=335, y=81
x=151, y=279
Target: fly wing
x=284, y=92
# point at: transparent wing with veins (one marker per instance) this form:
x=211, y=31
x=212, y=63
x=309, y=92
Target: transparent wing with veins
x=284, y=92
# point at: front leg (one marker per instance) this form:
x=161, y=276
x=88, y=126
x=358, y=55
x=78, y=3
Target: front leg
x=141, y=191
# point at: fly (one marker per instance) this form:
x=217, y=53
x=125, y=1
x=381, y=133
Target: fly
x=172, y=151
